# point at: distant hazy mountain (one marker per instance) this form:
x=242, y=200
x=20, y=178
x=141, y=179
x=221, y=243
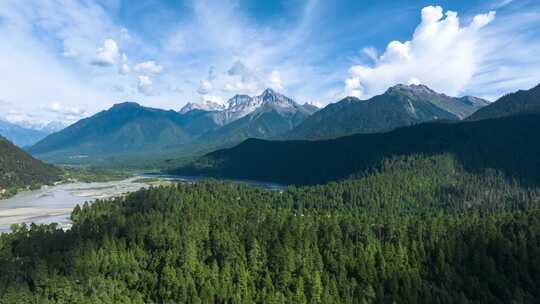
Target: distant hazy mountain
x=399, y=106
x=51, y=127
x=19, y=135
x=520, y=102
x=128, y=128
x=509, y=144
x=18, y=169
x=269, y=115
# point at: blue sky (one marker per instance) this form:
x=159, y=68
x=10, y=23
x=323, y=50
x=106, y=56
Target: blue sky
x=63, y=60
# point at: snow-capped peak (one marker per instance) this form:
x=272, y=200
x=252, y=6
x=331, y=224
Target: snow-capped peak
x=241, y=105
x=413, y=88
x=204, y=106
x=270, y=96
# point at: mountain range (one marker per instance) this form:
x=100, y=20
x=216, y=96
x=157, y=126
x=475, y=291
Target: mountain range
x=24, y=134
x=404, y=120
x=269, y=115
x=130, y=130
x=399, y=106
x=505, y=138
x=126, y=127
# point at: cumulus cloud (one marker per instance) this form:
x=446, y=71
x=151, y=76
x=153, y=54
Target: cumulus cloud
x=441, y=54
x=107, y=55
x=371, y=53
x=206, y=86
x=246, y=80
x=214, y=99
x=275, y=82
x=65, y=113
x=246, y=74
x=144, y=85
x=123, y=67
x=148, y=67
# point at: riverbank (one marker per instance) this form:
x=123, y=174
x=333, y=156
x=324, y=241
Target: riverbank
x=54, y=203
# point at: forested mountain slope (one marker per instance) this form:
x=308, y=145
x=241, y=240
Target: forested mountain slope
x=419, y=230
x=520, y=102
x=510, y=144
x=20, y=170
x=124, y=128
x=399, y=106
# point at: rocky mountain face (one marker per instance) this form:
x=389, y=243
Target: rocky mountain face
x=399, y=106
x=208, y=106
x=270, y=115
x=242, y=105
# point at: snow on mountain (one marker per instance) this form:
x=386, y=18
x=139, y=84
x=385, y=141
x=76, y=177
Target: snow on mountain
x=241, y=105
x=46, y=127
x=204, y=106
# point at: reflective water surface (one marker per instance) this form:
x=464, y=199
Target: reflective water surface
x=53, y=204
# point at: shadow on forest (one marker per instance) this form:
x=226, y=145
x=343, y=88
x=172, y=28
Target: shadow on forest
x=510, y=145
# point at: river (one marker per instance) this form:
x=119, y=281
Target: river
x=53, y=204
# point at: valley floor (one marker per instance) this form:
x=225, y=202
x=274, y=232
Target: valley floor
x=55, y=203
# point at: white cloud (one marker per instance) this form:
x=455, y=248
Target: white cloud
x=352, y=87
x=275, y=82
x=124, y=34
x=205, y=87
x=238, y=68
x=245, y=80
x=148, y=67
x=501, y=3
x=371, y=52
x=123, y=67
x=106, y=55
x=442, y=54
x=240, y=87
x=57, y=107
x=38, y=33
x=218, y=33
x=213, y=98
x=414, y=81
x=144, y=85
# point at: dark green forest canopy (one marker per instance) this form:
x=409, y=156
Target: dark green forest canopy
x=417, y=230
x=20, y=170
x=510, y=145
